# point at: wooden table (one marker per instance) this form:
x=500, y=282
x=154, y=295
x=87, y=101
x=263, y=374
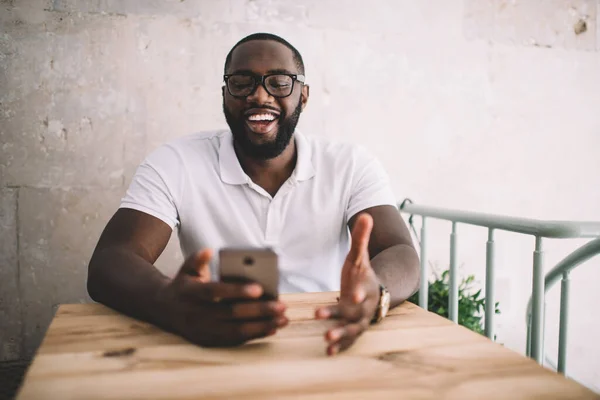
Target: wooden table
x=92, y=352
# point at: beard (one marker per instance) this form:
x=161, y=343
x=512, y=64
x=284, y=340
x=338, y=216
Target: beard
x=268, y=150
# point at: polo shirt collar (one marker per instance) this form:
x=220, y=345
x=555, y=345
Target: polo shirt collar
x=229, y=165
x=233, y=174
x=304, y=166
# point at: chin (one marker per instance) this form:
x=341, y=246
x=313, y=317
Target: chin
x=261, y=138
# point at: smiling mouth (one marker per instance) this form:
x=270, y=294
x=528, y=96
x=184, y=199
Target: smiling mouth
x=261, y=122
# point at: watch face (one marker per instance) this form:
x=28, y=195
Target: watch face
x=385, y=303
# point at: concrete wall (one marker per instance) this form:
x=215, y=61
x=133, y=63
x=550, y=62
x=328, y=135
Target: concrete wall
x=489, y=105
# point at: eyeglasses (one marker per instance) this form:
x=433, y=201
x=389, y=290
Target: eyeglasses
x=277, y=85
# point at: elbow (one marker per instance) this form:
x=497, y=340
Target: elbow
x=416, y=272
x=417, y=281
x=94, y=285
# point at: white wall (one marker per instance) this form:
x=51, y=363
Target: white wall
x=489, y=106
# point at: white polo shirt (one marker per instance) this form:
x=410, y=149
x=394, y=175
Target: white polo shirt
x=197, y=185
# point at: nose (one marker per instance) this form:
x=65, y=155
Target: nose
x=260, y=95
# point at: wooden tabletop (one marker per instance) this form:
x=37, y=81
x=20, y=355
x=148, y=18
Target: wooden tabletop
x=92, y=352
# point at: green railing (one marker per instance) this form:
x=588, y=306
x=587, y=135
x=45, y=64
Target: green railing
x=540, y=230
x=562, y=270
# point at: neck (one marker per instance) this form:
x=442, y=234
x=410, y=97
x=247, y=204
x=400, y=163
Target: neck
x=269, y=174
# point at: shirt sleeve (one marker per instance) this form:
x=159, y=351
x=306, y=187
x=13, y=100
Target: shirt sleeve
x=152, y=188
x=370, y=186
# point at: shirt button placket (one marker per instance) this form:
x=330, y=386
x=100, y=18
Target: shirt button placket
x=271, y=228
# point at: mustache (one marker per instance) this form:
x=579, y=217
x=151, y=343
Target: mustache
x=265, y=106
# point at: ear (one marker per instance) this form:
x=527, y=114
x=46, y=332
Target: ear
x=304, y=96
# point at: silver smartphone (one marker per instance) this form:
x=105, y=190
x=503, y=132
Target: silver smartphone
x=253, y=264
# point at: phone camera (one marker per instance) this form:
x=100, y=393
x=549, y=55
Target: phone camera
x=248, y=261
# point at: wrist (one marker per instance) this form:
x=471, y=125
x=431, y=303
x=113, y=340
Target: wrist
x=162, y=306
x=383, y=304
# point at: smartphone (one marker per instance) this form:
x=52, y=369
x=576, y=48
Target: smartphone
x=258, y=265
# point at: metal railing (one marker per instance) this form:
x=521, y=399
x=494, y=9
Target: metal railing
x=562, y=270
x=540, y=230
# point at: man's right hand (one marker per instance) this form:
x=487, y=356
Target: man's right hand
x=216, y=313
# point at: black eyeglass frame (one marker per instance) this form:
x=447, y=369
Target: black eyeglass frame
x=260, y=80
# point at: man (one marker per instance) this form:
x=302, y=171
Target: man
x=260, y=184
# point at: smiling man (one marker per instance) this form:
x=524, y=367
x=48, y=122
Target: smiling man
x=326, y=208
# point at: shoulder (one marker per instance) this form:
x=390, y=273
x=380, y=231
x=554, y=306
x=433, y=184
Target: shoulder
x=337, y=153
x=201, y=147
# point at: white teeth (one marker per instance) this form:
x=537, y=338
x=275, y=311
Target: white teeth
x=261, y=117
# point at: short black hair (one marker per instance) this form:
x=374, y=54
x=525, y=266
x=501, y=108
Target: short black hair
x=268, y=36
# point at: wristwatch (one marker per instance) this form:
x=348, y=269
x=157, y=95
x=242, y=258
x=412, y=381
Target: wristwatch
x=383, y=306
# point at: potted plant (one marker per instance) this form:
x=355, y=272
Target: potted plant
x=470, y=305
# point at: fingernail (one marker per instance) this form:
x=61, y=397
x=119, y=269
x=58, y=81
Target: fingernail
x=335, y=334
x=282, y=321
x=279, y=307
x=333, y=350
x=253, y=290
x=323, y=313
x=271, y=333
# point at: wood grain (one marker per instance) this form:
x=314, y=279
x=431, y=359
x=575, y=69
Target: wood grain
x=92, y=352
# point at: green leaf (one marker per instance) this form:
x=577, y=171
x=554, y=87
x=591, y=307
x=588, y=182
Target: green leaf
x=470, y=306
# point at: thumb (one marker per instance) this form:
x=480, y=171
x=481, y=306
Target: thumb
x=361, y=233
x=197, y=265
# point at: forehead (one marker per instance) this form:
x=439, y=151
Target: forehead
x=261, y=56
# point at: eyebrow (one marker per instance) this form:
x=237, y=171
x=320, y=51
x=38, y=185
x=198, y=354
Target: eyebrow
x=271, y=71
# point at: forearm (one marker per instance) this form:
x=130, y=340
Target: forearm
x=124, y=281
x=398, y=269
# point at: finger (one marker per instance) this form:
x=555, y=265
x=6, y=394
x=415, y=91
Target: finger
x=341, y=345
x=256, y=310
x=343, y=310
x=343, y=337
x=339, y=333
x=254, y=330
x=328, y=312
x=220, y=291
x=360, y=239
x=333, y=349
x=198, y=265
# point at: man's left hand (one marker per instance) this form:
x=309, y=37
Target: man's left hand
x=359, y=294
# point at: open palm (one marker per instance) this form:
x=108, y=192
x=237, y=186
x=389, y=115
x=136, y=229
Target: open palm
x=359, y=292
